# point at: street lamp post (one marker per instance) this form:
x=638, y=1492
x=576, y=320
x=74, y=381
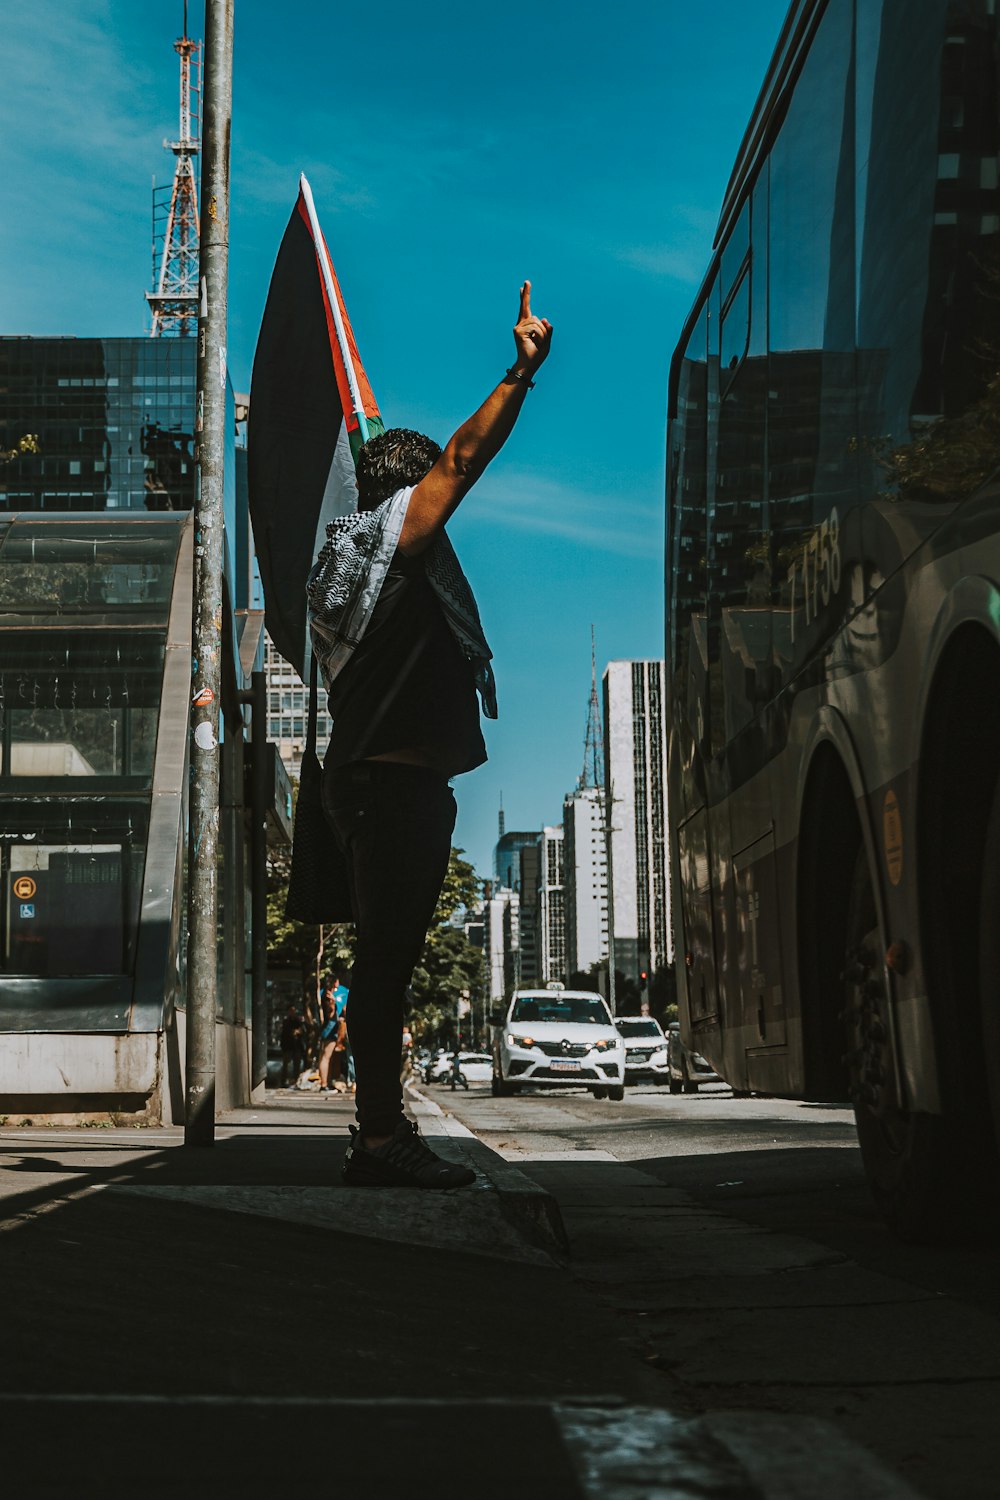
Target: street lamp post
x=210, y=429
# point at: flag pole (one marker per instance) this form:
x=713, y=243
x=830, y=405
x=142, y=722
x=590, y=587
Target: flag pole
x=331, y=292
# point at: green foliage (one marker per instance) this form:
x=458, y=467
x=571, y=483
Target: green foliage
x=461, y=891
x=300, y=945
x=448, y=965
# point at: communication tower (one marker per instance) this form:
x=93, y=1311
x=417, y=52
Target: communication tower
x=593, y=744
x=174, y=303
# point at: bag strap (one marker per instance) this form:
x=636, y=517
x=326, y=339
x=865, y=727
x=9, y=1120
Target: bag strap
x=313, y=708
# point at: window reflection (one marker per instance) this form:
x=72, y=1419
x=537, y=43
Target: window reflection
x=111, y=565
x=689, y=536
x=811, y=409
x=929, y=285
x=739, y=569
x=83, y=615
x=81, y=705
x=71, y=887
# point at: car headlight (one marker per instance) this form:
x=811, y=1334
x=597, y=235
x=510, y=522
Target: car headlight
x=602, y=1044
x=660, y=1052
x=513, y=1040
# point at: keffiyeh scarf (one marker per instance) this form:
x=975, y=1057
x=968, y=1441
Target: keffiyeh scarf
x=344, y=585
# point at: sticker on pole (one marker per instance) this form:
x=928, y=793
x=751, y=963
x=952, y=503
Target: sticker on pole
x=203, y=697
x=204, y=737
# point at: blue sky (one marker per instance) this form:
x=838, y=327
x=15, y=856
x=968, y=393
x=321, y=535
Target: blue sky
x=453, y=150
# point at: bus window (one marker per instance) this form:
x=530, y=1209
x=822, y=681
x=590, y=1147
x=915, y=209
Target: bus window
x=740, y=580
x=928, y=297
x=811, y=419
x=688, y=542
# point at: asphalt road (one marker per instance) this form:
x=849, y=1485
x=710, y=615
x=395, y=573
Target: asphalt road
x=739, y=1239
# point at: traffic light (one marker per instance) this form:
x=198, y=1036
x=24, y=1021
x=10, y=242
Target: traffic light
x=643, y=977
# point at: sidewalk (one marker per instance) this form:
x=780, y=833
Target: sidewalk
x=202, y=1320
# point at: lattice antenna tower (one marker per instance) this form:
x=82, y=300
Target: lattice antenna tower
x=593, y=743
x=174, y=303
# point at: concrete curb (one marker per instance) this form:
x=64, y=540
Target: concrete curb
x=530, y=1209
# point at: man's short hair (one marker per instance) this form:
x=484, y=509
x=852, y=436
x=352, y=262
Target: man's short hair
x=391, y=461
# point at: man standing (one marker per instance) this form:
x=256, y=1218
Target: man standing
x=397, y=634
x=293, y=1045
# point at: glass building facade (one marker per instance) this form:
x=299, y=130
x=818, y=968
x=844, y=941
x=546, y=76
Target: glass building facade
x=114, y=420
x=85, y=606
x=114, y=426
x=96, y=582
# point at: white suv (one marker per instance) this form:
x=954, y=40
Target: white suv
x=554, y=1037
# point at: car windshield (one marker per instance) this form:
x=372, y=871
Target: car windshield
x=637, y=1028
x=575, y=1008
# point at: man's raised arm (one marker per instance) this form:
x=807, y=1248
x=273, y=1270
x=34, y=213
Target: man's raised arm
x=478, y=440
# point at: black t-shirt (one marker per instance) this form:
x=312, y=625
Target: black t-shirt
x=408, y=685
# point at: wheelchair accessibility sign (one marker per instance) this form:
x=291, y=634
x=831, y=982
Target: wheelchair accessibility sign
x=27, y=908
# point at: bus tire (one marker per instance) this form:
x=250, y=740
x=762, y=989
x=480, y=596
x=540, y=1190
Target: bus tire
x=912, y=1164
x=989, y=961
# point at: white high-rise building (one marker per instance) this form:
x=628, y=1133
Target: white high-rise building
x=288, y=711
x=636, y=787
x=550, y=937
x=585, y=875
x=502, y=919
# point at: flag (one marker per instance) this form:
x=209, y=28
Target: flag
x=311, y=408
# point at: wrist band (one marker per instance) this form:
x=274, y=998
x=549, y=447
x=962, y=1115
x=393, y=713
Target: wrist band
x=521, y=375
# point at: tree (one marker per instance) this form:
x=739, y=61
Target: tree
x=448, y=964
x=310, y=949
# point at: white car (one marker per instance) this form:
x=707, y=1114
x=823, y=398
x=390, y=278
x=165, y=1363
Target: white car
x=645, y=1049
x=437, y=1066
x=475, y=1067
x=556, y=1037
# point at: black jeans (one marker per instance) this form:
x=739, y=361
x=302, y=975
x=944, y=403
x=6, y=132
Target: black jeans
x=394, y=824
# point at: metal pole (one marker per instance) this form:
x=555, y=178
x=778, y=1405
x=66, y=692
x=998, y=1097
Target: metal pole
x=210, y=427
x=258, y=880
x=334, y=300
x=609, y=799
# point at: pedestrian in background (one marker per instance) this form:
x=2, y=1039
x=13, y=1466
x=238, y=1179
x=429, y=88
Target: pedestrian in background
x=457, y=1076
x=327, y=1035
x=293, y=1044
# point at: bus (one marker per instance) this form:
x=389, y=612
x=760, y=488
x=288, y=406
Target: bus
x=833, y=601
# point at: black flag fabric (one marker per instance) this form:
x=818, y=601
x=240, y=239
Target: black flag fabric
x=311, y=407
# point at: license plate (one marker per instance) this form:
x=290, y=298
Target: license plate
x=565, y=1067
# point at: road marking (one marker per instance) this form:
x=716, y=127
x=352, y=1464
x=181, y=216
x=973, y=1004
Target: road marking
x=645, y=1454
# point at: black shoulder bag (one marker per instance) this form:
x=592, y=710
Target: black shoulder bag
x=318, y=888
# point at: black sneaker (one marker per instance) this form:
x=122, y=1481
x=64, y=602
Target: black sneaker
x=403, y=1161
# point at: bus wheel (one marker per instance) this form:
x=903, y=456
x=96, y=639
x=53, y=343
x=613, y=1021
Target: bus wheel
x=909, y=1160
